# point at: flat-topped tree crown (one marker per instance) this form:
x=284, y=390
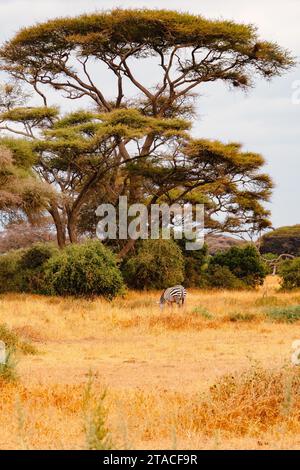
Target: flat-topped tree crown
x=189, y=49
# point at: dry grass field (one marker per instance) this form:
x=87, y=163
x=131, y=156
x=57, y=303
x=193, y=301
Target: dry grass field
x=213, y=375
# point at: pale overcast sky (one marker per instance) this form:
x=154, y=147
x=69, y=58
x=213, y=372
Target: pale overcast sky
x=265, y=119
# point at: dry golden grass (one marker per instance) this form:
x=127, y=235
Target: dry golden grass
x=215, y=374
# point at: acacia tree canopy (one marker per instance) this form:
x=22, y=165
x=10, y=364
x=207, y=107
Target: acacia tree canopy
x=189, y=49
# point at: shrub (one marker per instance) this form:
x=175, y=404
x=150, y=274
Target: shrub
x=37, y=255
x=244, y=263
x=221, y=277
x=32, y=266
x=158, y=264
x=195, y=264
x=10, y=277
x=23, y=270
x=86, y=269
x=290, y=273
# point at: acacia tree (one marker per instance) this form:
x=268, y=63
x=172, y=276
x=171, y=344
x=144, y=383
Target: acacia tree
x=70, y=55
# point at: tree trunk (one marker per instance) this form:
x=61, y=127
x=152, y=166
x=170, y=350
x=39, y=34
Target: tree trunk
x=59, y=225
x=72, y=227
x=126, y=248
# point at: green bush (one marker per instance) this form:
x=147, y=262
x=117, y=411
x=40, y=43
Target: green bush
x=290, y=273
x=220, y=277
x=32, y=266
x=195, y=265
x=37, y=255
x=10, y=275
x=23, y=270
x=244, y=263
x=85, y=269
x=158, y=264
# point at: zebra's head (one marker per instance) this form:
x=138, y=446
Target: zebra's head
x=162, y=301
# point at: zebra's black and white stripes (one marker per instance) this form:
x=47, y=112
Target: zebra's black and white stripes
x=175, y=294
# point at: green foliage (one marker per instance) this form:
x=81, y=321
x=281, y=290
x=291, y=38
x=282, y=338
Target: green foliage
x=22, y=152
x=244, y=263
x=221, y=166
x=203, y=312
x=195, y=264
x=32, y=115
x=270, y=256
x=220, y=277
x=290, y=273
x=10, y=276
x=284, y=314
x=288, y=231
x=37, y=255
x=23, y=270
x=86, y=269
x=158, y=264
x=32, y=267
x=113, y=32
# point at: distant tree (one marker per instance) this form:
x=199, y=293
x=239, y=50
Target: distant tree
x=140, y=148
x=22, y=234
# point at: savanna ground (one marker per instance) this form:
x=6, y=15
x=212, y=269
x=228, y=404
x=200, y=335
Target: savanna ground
x=214, y=375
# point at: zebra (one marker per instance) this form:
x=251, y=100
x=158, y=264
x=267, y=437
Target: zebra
x=173, y=294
